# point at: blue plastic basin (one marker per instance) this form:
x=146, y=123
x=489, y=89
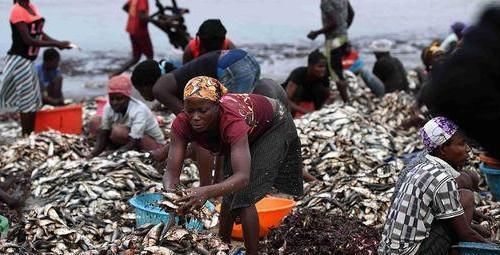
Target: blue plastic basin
x=148, y=212
x=492, y=176
x=470, y=248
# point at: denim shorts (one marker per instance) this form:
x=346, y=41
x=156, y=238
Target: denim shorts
x=240, y=76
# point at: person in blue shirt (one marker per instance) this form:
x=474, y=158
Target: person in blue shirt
x=50, y=78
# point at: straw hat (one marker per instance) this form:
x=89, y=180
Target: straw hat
x=382, y=45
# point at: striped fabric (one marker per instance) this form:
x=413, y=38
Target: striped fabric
x=428, y=193
x=19, y=89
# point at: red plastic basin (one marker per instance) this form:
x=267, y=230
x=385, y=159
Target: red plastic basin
x=271, y=211
x=65, y=119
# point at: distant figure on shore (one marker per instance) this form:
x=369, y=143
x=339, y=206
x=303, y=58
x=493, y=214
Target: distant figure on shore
x=50, y=78
x=337, y=17
x=20, y=89
x=450, y=42
x=465, y=87
x=308, y=87
x=352, y=62
x=127, y=123
x=137, y=27
x=211, y=36
x=429, y=212
x=387, y=68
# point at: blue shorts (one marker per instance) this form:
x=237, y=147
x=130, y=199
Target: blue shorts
x=238, y=71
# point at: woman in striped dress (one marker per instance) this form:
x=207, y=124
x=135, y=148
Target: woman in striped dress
x=19, y=89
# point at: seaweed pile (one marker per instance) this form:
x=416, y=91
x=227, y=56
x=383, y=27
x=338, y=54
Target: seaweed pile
x=314, y=232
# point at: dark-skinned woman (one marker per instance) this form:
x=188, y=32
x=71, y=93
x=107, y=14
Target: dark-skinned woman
x=236, y=68
x=259, y=142
x=20, y=90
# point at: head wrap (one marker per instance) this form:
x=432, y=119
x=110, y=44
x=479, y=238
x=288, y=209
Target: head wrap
x=382, y=45
x=204, y=87
x=120, y=84
x=436, y=132
x=429, y=53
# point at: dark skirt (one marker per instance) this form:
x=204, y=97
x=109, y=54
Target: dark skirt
x=439, y=240
x=276, y=162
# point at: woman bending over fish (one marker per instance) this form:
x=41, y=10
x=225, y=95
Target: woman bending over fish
x=259, y=142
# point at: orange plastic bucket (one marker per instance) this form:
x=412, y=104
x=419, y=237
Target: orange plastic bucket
x=101, y=102
x=65, y=119
x=271, y=211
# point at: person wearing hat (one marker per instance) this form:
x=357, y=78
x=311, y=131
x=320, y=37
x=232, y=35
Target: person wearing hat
x=211, y=36
x=429, y=212
x=126, y=121
x=451, y=41
x=259, y=142
x=387, y=68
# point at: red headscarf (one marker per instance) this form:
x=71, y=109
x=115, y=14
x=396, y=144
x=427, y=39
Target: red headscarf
x=120, y=84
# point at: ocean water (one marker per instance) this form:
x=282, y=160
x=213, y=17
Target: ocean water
x=274, y=30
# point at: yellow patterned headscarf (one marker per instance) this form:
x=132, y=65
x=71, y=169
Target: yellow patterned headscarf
x=204, y=87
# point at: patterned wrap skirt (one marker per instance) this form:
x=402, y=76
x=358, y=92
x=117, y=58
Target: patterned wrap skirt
x=19, y=87
x=276, y=161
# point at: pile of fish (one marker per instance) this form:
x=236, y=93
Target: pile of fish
x=357, y=150
x=356, y=155
x=314, y=232
x=77, y=205
x=167, y=239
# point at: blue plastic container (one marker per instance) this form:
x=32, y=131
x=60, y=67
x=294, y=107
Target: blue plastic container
x=492, y=179
x=470, y=248
x=148, y=212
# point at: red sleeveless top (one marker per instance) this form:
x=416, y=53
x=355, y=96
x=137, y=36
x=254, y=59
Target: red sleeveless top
x=194, y=46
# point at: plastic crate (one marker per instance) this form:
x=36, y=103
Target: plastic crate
x=470, y=248
x=65, y=119
x=148, y=212
x=492, y=176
